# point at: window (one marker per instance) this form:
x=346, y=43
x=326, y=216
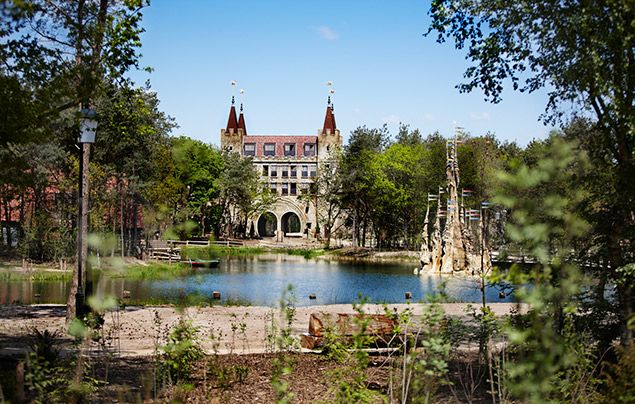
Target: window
x=269, y=149
x=250, y=149
x=273, y=188
x=294, y=171
x=309, y=149
x=305, y=171
x=274, y=171
x=285, y=189
x=313, y=170
x=294, y=190
x=289, y=149
x=304, y=188
x=265, y=170
x=285, y=171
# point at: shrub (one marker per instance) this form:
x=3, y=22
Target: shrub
x=181, y=351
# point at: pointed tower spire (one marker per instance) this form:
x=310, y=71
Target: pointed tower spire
x=232, y=122
x=241, y=121
x=329, y=119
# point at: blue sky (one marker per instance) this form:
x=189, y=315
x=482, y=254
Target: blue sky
x=282, y=53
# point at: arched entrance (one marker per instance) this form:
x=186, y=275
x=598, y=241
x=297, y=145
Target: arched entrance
x=267, y=225
x=290, y=223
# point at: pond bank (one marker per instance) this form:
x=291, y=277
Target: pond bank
x=235, y=329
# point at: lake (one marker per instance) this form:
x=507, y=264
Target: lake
x=260, y=280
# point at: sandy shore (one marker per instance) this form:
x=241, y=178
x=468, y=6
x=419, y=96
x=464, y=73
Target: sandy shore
x=133, y=331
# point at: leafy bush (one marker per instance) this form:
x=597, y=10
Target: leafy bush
x=181, y=351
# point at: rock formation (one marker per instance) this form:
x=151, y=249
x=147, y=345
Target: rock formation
x=453, y=249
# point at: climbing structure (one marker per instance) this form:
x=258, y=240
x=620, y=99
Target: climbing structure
x=452, y=248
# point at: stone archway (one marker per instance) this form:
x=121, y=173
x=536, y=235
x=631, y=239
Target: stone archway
x=267, y=224
x=291, y=223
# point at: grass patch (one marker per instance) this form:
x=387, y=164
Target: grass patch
x=215, y=251
x=305, y=252
x=35, y=276
x=152, y=271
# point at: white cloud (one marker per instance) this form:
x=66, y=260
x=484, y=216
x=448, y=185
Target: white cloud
x=480, y=116
x=327, y=33
x=427, y=117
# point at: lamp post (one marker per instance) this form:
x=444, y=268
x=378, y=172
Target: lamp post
x=87, y=129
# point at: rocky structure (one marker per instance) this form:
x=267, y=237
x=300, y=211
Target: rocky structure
x=453, y=248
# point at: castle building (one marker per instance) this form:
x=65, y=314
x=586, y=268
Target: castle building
x=289, y=165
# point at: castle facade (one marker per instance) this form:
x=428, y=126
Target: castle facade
x=289, y=165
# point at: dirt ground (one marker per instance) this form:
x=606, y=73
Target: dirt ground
x=233, y=338
x=133, y=331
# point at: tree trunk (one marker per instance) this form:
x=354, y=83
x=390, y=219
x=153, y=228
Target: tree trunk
x=122, y=217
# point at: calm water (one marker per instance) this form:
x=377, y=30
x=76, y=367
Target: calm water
x=260, y=280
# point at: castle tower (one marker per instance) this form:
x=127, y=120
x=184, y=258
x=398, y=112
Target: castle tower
x=329, y=136
x=231, y=138
x=241, y=121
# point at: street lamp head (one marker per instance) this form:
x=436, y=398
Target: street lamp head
x=87, y=125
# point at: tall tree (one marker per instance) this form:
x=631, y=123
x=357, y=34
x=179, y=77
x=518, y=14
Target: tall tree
x=328, y=189
x=583, y=52
x=242, y=194
x=363, y=145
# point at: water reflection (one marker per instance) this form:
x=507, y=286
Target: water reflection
x=260, y=280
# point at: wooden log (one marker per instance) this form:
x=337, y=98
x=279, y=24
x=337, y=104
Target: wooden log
x=378, y=324
x=319, y=322
x=309, y=341
x=348, y=324
x=19, y=382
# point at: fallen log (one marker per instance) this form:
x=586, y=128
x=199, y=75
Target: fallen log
x=344, y=325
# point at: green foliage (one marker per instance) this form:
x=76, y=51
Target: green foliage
x=281, y=367
x=620, y=378
x=384, y=185
x=426, y=370
x=216, y=251
x=48, y=377
x=548, y=363
x=242, y=194
x=350, y=381
x=280, y=340
x=181, y=352
x=306, y=253
x=584, y=54
x=34, y=276
x=151, y=271
x=568, y=48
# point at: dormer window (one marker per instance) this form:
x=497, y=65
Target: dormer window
x=269, y=149
x=289, y=149
x=309, y=149
x=250, y=149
